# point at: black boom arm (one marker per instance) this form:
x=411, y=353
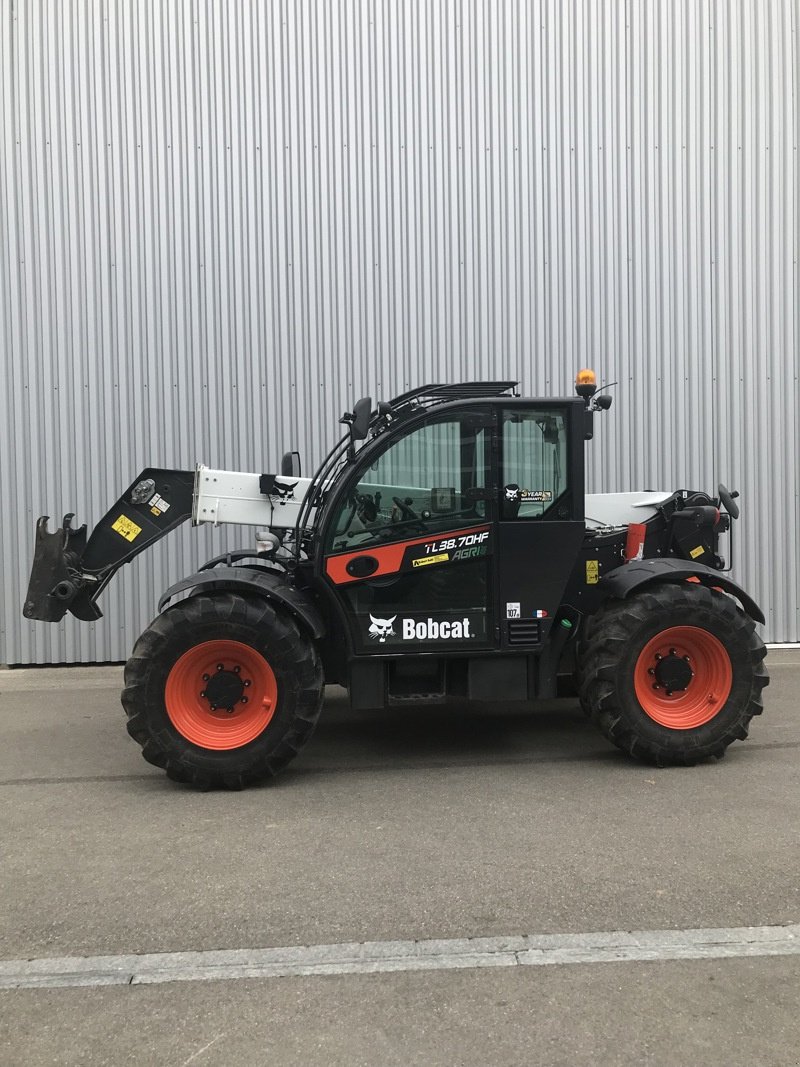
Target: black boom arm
x=69, y=572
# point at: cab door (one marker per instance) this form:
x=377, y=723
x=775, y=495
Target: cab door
x=408, y=539
x=541, y=526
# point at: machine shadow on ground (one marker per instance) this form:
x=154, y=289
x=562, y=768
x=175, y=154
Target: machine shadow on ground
x=450, y=735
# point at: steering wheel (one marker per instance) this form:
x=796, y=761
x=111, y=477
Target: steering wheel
x=408, y=513
x=366, y=508
x=727, y=499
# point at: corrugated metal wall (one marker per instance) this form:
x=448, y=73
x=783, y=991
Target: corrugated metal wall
x=221, y=222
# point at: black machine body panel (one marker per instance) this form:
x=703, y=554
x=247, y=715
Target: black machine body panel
x=534, y=567
x=450, y=546
x=539, y=452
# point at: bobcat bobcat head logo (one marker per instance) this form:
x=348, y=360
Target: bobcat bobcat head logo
x=381, y=628
x=512, y=493
x=285, y=490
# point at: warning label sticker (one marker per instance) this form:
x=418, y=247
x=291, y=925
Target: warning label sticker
x=425, y=561
x=158, y=505
x=126, y=528
x=592, y=572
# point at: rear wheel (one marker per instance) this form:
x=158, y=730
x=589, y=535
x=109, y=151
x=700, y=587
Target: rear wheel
x=673, y=674
x=222, y=690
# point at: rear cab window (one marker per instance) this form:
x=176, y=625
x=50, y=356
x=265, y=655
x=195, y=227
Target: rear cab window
x=535, y=464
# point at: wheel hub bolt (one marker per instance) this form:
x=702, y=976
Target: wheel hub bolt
x=220, y=666
x=237, y=670
x=651, y=670
x=203, y=693
x=244, y=700
x=246, y=682
x=206, y=677
x=672, y=672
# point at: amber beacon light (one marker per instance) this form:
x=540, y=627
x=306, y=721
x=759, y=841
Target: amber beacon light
x=586, y=384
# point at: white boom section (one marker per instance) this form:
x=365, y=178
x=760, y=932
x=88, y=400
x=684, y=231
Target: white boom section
x=235, y=497
x=618, y=509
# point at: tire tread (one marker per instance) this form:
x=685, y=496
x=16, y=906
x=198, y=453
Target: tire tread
x=185, y=763
x=608, y=636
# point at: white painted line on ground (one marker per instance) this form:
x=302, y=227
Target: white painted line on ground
x=380, y=957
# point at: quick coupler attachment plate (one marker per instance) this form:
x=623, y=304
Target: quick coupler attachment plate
x=55, y=581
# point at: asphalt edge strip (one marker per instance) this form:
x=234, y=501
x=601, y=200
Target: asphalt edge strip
x=381, y=957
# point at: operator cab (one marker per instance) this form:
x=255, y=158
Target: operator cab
x=454, y=529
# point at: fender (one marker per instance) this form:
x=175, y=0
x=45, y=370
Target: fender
x=634, y=576
x=271, y=587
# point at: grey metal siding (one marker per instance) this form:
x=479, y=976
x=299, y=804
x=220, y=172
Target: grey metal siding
x=220, y=223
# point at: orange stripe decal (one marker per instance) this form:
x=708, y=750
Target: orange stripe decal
x=388, y=557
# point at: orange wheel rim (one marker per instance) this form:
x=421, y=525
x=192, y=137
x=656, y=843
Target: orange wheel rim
x=683, y=677
x=221, y=694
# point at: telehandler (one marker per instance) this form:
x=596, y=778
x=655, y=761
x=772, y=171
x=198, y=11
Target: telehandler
x=445, y=548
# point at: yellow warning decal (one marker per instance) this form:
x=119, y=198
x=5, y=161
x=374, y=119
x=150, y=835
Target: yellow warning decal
x=126, y=528
x=592, y=572
x=424, y=561
x=695, y=552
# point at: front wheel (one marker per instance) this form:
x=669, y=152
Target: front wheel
x=222, y=690
x=673, y=674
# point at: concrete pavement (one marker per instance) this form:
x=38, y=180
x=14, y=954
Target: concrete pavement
x=442, y=823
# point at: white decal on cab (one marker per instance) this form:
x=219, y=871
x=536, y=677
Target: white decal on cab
x=381, y=628
x=433, y=630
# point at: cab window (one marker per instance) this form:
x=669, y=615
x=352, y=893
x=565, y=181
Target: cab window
x=428, y=481
x=534, y=463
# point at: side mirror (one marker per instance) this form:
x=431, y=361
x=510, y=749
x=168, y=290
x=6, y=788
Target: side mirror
x=603, y=403
x=361, y=415
x=726, y=498
x=290, y=465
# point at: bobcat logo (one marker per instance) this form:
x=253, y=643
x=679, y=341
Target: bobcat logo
x=285, y=490
x=381, y=628
x=512, y=493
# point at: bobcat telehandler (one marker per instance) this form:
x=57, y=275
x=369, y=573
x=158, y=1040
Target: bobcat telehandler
x=444, y=548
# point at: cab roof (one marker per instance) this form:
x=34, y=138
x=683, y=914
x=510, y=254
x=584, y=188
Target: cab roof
x=429, y=395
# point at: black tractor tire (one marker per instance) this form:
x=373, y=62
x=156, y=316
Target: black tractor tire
x=248, y=636
x=588, y=629
x=616, y=657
